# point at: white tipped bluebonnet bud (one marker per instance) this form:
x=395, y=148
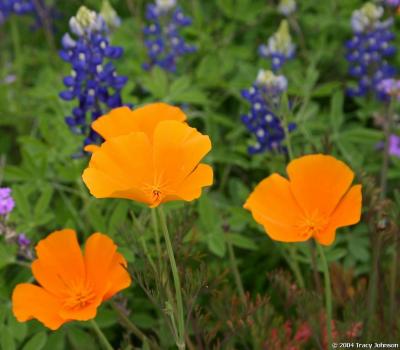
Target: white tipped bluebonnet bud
x=287, y=7
x=109, y=15
x=280, y=47
x=165, y=5
x=274, y=84
x=86, y=21
x=366, y=18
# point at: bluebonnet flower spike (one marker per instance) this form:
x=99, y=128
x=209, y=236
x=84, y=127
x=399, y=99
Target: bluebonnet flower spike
x=262, y=121
x=93, y=80
x=163, y=38
x=280, y=47
x=369, y=49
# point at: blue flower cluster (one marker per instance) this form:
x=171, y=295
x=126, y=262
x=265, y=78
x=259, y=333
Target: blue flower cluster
x=279, y=48
x=264, y=95
x=163, y=40
x=262, y=120
x=93, y=81
x=369, y=49
x=17, y=7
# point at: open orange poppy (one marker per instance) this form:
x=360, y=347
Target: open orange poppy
x=315, y=201
x=71, y=285
x=150, y=155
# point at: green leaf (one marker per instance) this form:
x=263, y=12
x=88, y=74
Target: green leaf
x=327, y=89
x=37, y=342
x=96, y=218
x=21, y=201
x=43, y=203
x=157, y=83
x=78, y=337
x=178, y=87
x=216, y=244
x=6, y=339
x=55, y=341
x=209, y=218
x=106, y=318
x=335, y=254
x=7, y=256
x=143, y=320
x=118, y=216
x=336, y=114
x=18, y=329
x=240, y=241
x=361, y=135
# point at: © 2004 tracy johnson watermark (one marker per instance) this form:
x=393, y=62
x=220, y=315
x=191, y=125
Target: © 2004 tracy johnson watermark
x=375, y=345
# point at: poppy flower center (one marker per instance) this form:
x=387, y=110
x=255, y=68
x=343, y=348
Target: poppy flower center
x=156, y=194
x=311, y=225
x=79, y=296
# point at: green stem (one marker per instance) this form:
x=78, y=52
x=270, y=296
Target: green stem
x=372, y=287
x=131, y=327
x=157, y=238
x=177, y=283
x=328, y=294
x=100, y=334
x=285, y=111
x=292, y=260
x=314, y=265
x=236, y=274
x=387, y=127
x=148, y=255
x=393, y=289
x=17, y=48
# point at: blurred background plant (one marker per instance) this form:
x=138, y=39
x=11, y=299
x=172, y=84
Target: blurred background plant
x=238, y=286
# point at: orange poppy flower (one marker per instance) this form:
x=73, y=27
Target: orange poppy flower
x=315, y=201
x=150, y=155
x=71, y=285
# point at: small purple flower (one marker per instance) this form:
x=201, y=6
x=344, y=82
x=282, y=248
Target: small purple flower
x=392, y=3
x=23, y=241
x=394, y=145
x=163, y=38
x=6, y=201
x=388, y=88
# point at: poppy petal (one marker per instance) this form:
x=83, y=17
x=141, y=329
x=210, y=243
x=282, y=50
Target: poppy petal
x=117, y=122
x=319, y=181
x=91, y=148
x=191, y=187
x=348, y=212
x=326, y=237
x=120, y=168
x=118, y=276
x=82, y=313
x=60, y=252
x=149, y=116
x=122, y=121
x=99, y=254
x=48, y=277
x=30, y=301
x=178, y=149
x=273, y=206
